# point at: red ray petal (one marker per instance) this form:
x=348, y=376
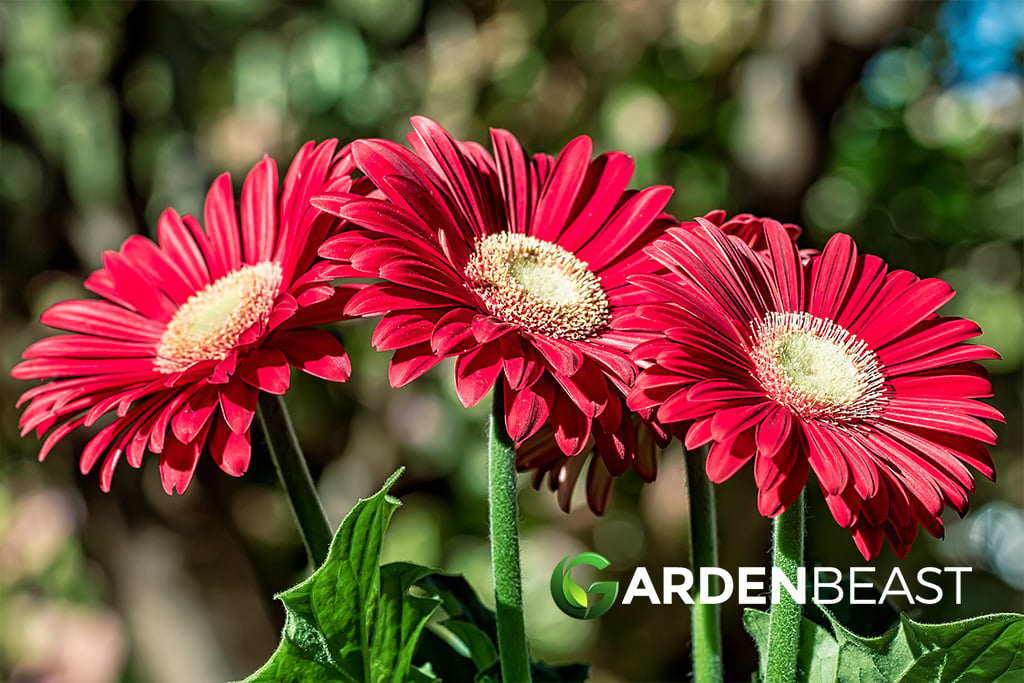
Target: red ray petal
x=266, y=369
x=222, y=225
x=476, y=372
x=315, y=352
x=259, y=212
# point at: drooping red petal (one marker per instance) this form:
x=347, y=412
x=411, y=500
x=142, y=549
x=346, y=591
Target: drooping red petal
x=267, y=370
x=476, y=372
x=177, y=465
x=230, y=449
x=528, y=408
x=315, y=352
x=409, y=363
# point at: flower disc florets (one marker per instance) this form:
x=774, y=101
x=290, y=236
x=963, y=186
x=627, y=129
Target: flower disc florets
x=816, y=368
x=538, y=285
x=207, y=326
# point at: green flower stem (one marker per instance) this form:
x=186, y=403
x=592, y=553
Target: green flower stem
x=504, y=519
x=707, y=627
x=294, y=475
x=784, y=623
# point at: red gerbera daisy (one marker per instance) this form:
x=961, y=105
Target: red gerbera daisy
x=515, y=265
x=191, y=329
x=834, y=365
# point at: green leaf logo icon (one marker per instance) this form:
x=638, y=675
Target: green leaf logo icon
x=572, y=599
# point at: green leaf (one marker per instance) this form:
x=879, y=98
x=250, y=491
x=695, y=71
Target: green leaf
x=982, y=648
x=461, y=602
x=445, y=661
x=354, y=621
x=423, y=674
x=469, y=633
x=986, y=648
x=344, y=592
x=301, y=656
x=480, y=648
x=400, y=617
x=351, y=620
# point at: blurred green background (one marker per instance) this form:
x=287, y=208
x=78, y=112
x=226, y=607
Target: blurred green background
x=897, y=122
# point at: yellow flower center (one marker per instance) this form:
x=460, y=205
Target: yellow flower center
x=207, y=326
x=816, y=368
x=539, y=285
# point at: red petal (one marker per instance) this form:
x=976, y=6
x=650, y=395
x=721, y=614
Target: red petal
x=833, y=277
x=467, y=187
x=87, y=346
x=189, y=421
x=572, y=427
x=605, y=183
x=564, y=358
x=222, y=225
x=868, y=539
x=138, y=288
x=453, y=333
x=943, y=416
x=259, y=211
x=315, y=352
x=618, y=448
x=411, y=362
x=177, y=464
x=487, y=328
x=828, y=462
x=559, y=193
x=266, y=369
x=378, y=299
x=180, y=245
x=238, y=404
x=723, y=461
x=512, y=172
x=728, y=423
x=475, y=373
x=626, y=228
x=102, y=318
x=773, y=431
x=231, y=450
x=915, y=304
x=401, y=329
x=527, y=409
x=599, y=486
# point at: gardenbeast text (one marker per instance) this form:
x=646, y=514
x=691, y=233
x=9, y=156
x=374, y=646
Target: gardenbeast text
x=827, y=586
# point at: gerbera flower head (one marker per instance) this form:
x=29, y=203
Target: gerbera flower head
x=833, y=364
x=189, y=330
x=516, y=266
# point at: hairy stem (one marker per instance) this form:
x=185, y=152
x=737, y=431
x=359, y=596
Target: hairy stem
x=504, y=520
x=784, y=623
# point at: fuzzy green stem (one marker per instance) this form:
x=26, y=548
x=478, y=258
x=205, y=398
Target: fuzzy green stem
x=707, y=627
x=784, y=622
x=295, y=478
x=504, y=519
